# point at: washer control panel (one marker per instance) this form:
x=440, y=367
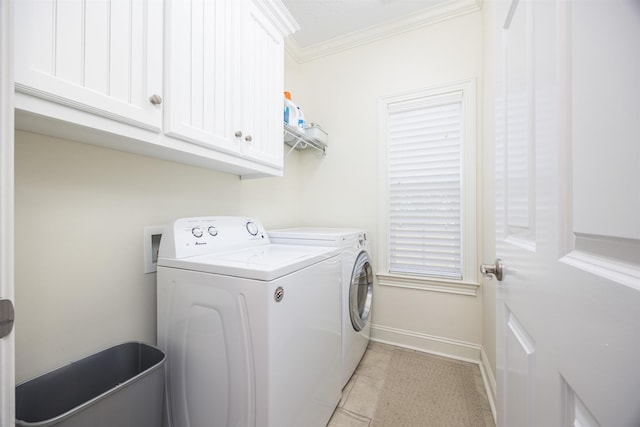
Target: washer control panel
x=204, y=235
x=198, y=231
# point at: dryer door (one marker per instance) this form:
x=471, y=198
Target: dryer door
x=361, y=291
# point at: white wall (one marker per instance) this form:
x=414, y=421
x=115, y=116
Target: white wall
x=341, y=92
x=80, y=213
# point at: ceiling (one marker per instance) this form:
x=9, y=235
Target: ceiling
x=327, y=26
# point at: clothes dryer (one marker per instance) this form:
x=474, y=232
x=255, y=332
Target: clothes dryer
x=357, y=284
x=250, y=329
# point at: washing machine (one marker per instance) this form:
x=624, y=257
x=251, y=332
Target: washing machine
x=250, y=328
x=357, y=284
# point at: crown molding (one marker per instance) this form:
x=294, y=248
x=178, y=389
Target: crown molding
x=279, y=15
x=440, y=12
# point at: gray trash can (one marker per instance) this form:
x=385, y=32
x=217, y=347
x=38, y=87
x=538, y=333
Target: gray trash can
x=121, y=386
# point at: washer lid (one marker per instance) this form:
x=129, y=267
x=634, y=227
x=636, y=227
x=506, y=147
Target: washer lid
x=264, y=263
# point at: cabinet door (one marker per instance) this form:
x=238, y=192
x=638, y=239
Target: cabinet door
x=259, y=102
x=199, y=67
x=99, y=56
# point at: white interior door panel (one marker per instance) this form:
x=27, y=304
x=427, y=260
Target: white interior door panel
x=567, y=209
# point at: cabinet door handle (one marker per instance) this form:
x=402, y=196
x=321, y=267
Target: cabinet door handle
x=248, y=138
x=155, y=99
x=238, y=134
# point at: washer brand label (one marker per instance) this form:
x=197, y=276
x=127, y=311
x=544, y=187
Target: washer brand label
x=200, y=243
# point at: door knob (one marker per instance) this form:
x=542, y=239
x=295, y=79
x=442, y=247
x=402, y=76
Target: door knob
x=496, y=269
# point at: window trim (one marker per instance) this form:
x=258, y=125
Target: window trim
x=469, y=283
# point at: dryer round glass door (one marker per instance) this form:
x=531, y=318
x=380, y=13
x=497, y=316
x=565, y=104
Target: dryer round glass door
x=361, y=292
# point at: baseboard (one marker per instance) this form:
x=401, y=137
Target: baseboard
x=446, y=347
x=454, y=349
x=489, y=381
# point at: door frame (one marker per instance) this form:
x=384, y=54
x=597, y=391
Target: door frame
x=7, y=344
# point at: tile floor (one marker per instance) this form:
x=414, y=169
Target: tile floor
x=360, y=395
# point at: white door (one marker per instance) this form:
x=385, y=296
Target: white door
x=7, y=342
x=99, y=56
x=568, y=213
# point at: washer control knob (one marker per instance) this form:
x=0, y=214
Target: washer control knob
x=212, y=231
x=252, y=228
x=197, y=232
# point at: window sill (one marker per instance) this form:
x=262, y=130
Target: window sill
x=459, y=287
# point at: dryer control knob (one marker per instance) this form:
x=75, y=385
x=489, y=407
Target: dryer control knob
x=213, y=231
x=252, y=228
x=197, y=232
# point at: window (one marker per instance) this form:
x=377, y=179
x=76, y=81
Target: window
x=428, y=235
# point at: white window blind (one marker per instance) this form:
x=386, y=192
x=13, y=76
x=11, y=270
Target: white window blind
x=425, y=139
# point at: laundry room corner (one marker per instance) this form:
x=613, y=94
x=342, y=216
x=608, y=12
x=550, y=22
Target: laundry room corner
x=341, y=92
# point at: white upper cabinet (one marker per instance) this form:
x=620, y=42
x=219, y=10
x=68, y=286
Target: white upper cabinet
x=259, y=85
x=225, y=77
x=199, y=70
x=94, y=71
x=99, y=56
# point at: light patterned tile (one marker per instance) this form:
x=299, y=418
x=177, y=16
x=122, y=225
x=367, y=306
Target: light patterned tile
x=488, y=419
x=342, y=418
x=364, y=395
x=360, y=395
x=374, y=363
x=374, y=345
x=347, y=389
x=432, y=356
